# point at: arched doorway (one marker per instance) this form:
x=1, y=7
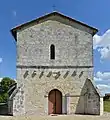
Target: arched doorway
x=55, y=102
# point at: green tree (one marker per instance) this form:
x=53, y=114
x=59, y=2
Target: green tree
x=1, y=99
x=5, y=85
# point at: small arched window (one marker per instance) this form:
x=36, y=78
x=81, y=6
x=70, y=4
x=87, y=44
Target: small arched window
x=52, y=52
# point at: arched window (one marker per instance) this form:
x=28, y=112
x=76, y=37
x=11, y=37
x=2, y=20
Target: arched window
x=52, y=52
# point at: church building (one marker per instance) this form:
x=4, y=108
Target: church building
x=55, y=68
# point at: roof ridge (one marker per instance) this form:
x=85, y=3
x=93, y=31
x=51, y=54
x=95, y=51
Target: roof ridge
x=14, y=30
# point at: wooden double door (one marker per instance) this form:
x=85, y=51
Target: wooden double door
x=55, y=102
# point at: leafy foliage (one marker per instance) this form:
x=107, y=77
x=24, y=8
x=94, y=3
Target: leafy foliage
x=5, y=85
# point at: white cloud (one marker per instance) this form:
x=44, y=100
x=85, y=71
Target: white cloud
x=1, y=79
x=102, y=76
x=96, y=41
x=14, y=13
x=105, y=52
x=102, y=44
x=97, y=79
x=102, y=41
x=103, y=87
x=1, y=60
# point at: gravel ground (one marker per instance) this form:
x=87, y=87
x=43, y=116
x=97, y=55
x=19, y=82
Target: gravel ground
x=105, y=116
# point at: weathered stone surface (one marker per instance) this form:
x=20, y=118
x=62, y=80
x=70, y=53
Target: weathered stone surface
x=69, y=50
x=68, y=73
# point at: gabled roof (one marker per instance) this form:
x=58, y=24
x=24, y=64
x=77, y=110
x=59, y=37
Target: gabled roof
x=97, y=90
x=14, y=30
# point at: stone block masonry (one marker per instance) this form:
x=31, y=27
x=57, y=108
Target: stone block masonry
x=71, y=72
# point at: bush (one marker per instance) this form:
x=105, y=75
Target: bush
x=5, y=85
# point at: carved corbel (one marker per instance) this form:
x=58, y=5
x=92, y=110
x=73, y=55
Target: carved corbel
x=49, y=74
x=74, y=74
x=66, y=74
x=81, y=74
x=33, y=74
x=26, y=74
x=42, y=73
x=57, y=75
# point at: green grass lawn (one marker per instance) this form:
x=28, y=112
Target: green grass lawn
x=107, y=106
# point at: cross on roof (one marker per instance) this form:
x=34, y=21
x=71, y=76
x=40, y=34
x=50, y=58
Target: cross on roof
x=54, y=7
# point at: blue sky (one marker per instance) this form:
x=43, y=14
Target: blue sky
x=92, y=12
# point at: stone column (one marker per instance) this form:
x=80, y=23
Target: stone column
x=46, y=105
x=68, y=104
x=64, y=104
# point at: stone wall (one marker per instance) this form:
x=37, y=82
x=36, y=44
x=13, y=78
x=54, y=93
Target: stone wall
x=39, y=74
x=73, y=46
x=16, y=102
x=39, y=86
x=77, y=98
x=90, y=97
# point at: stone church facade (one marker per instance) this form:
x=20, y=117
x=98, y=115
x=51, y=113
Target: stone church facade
x=55, y=68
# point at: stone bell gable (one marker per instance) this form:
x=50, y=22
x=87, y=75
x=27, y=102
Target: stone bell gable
x=54, y=62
